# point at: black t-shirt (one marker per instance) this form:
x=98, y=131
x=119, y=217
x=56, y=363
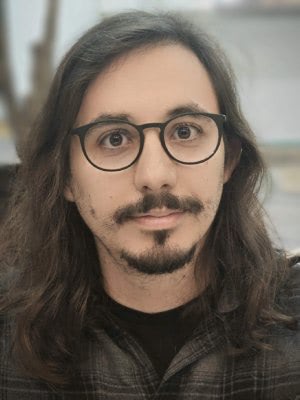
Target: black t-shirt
x=160, y=334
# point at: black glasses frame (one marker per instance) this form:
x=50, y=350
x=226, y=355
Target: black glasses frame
x=81, y=131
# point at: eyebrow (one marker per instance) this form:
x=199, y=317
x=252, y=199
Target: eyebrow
x=184, y=109
x=174, y=112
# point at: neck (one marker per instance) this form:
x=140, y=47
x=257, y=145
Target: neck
x=150, y=293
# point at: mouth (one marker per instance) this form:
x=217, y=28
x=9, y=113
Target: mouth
x=159, y=219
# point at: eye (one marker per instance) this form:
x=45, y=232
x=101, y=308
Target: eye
x=116, y=138
x=187, y=131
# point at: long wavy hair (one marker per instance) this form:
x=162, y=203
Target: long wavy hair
x=50, y=268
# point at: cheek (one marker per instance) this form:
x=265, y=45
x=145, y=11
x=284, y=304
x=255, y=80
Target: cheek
x=98, y=194
x=208, y=179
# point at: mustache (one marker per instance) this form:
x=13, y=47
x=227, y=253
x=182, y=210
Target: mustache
x=151, y=201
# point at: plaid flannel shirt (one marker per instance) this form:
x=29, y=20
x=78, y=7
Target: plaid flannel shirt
x=118, y=368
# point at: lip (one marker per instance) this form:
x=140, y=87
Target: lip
x=163, y=221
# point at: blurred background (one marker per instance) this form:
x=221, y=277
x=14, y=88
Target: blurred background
x=260, y=37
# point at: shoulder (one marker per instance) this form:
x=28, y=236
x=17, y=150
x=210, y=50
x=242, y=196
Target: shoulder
x=7, y=367
x=5, y=336
x=286, y=342
x=7, y=324
x=290, y=294
x=294, y=272
x=276, y=367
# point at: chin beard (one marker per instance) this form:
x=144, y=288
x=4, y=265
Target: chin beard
x=159, y=261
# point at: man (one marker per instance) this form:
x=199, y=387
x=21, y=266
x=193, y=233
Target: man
x=136, y=263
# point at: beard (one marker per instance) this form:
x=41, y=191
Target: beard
x=158, y=260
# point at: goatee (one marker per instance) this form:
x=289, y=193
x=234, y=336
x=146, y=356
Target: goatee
x=159, y=261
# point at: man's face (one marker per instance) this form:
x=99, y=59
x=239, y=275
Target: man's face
x=146, y=85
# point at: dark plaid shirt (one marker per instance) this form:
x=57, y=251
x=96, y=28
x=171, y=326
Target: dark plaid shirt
x=118, y=368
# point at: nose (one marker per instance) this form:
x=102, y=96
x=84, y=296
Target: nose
x=154, y=170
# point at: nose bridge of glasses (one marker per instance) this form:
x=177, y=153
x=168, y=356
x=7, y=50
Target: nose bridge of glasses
x=156, y=126
x=150, y=125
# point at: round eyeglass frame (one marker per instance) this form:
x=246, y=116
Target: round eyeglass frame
x=81, y=131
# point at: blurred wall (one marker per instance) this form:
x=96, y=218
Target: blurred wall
x=263, y=46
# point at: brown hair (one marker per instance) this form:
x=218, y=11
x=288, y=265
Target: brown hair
x=50, y=266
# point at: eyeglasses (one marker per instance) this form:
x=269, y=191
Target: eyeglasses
x=114, y=145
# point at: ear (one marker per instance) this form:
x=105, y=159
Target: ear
x=232, y=159
x=68, y=193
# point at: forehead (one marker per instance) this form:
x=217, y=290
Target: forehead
x=145, y=84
